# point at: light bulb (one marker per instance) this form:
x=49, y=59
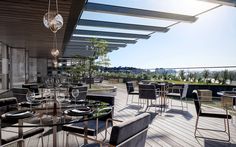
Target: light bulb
x=55, y=63
x=55, y=52
x=53, y=21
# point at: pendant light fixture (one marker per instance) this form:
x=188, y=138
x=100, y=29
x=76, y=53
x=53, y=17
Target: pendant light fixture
x=52, y=19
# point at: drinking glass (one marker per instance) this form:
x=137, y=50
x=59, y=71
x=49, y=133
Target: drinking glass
x=75, y=94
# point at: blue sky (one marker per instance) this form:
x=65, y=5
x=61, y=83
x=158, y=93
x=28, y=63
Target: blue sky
x=210, y=41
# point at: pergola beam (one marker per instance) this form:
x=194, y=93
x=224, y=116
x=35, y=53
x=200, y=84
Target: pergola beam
x=111, y=34
x=78, y=48
x=86, y=53
x=102, y=8
x=87, y=39
x=89, y=44
x=84, y=45
x=95, y=23
x=223, y=2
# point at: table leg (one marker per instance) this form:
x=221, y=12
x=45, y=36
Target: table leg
x=54, y=130
x=85, y=130
x=20, y=132
x=147, y=105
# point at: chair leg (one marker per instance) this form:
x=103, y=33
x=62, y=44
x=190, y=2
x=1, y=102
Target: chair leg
x=132, y=99
x=156, y=106
x=42, y=140
x=67, y=136
x=196, y=125
x=181, y=100
x=186, y=102
x=228, y=132
x=127, y=99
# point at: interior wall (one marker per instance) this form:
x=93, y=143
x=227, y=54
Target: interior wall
x=41, y=68
x=18, y=66
x=32, y=70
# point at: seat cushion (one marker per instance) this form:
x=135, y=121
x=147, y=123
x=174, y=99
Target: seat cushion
x=134, y=93
x=213, y=115
x=91, y=145
x=11, y=133
x=79, y=127
x=173, y=94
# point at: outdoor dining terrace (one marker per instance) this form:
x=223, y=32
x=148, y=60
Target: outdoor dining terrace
x=117, y=73
x=173, y=127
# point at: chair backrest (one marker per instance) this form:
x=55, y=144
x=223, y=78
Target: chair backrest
x=20, y=94
x=197, y=102
x=82, y=91
x=147, y=91
x=185, y=91
x=8, y=104
x=129, y=87
x=131, y=133
x=205, y=94
x=176, y=89
x=32, y=87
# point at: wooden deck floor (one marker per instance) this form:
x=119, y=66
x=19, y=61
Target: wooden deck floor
x=173, y=128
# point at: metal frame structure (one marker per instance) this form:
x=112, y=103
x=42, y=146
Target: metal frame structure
x=121, y=36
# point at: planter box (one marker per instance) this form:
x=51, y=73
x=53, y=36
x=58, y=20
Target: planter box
x=104, y=90
x=213, y=88
x=113, y=81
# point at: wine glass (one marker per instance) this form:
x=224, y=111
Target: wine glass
x=30, y=96
x=75, y=94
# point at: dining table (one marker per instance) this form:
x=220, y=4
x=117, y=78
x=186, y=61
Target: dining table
x=50, y=112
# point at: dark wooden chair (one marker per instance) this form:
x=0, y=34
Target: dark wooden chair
x=10, y=134
x=130, y=133
x=179, y=93
x=130, y=91
x=20, y=94
x=148, y=92
x=82, y=94
x=94, y=126
x=200, y=113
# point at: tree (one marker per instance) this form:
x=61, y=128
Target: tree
x=164, y=75
x=181, y=75
x=100, y=50
x=78, y=69
x=216, y=76
x=225, y=76
x=190, y=75
x=205, y=75
x=232, y=76
x=86, y=66
x=195, y=75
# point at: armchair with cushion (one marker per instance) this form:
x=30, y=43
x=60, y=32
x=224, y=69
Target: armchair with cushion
x=130, y=133
x=149, y=92
x=94, y=126
x=225, y=116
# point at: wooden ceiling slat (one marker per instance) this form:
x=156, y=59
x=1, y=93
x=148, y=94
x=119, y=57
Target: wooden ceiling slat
x=22, y=26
